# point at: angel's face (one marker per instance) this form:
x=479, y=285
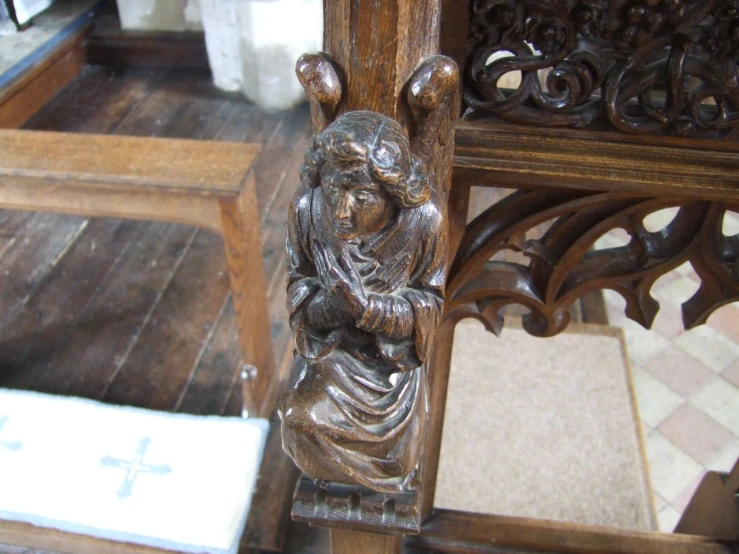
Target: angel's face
x=355, y=204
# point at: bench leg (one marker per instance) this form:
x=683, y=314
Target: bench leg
x=243, y=243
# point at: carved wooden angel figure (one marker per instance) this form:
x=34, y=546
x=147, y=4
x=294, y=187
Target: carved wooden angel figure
x=367, y=255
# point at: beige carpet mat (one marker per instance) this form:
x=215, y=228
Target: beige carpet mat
x=544, y=428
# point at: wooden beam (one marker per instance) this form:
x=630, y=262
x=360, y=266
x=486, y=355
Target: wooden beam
x=149, y=49
x=183, y=166
x=35, y=80
x=29, y=536
x=114, y=176
x=451, y=531
x=497, y=155
x=96, y=200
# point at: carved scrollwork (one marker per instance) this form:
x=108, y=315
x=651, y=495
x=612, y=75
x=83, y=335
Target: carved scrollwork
x=367, y=263
x=563, y=266
x=645, y=65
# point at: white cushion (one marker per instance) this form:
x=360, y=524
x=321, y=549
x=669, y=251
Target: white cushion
x=171, y=481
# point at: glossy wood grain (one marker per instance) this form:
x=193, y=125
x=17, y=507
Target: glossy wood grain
x=491, y=154
x=185, y=166
x=450, y=531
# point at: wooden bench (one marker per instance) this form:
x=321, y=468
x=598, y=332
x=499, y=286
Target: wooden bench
x=200, y=183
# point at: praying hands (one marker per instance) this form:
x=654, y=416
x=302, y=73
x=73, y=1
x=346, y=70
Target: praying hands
x=340, y=280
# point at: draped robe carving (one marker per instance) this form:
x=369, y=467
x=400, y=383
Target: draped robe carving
x=355, y=407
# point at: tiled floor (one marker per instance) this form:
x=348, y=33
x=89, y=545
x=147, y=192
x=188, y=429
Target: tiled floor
x=687, y=383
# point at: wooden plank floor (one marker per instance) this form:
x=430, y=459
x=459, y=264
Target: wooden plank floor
x=139, y=313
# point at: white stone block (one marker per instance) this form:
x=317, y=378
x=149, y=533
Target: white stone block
x=160, y=15
x=274, y=33
x=222, y=42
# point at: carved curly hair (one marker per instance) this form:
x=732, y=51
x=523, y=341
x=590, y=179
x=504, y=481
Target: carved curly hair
x=370, y=138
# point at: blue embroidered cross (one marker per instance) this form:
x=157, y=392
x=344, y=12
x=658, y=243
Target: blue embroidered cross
x=7, y=445
x=135, y=467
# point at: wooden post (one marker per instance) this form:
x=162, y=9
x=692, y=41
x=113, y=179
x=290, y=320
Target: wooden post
x=379, y=177
x=441, y=361
x=378, y=46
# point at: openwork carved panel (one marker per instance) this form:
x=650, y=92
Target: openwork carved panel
x=563, y=265
x=644, y=65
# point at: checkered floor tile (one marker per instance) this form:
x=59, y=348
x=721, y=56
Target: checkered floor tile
x=687, y=387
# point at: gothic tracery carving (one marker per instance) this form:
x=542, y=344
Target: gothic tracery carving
x=563, y=265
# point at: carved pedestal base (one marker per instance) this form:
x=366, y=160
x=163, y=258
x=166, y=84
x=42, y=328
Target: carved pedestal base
x=338, y=505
